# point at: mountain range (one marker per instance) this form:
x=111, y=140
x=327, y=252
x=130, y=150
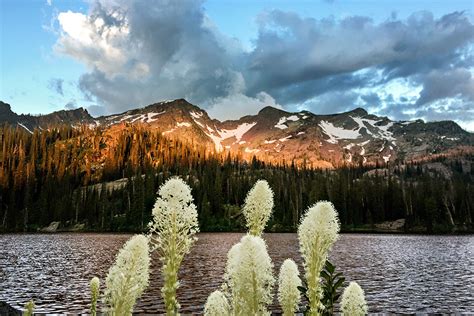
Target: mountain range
x=325, y=141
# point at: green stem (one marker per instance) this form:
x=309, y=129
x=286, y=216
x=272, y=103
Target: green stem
x=171, y=273
x=254, y=293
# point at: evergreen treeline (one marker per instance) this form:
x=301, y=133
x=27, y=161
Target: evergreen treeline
x=69, y=175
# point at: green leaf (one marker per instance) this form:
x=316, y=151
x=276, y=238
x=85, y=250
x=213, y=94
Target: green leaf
x=339, y=283
x=337, y=275
x=330, y=267
x=302, y=289
x=325, y=275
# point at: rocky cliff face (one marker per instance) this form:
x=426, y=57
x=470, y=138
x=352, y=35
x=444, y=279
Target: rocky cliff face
x=30, y=122
x=354, y=137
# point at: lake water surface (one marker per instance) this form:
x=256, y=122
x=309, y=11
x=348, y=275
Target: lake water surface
x=400, y=274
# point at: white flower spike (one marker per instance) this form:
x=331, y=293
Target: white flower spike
x=172, y=233
x=128, y=277
x=258, y=207
x=288, y=282
x=249, y=276
x=217, y=305
x=318, y=231
x=95, y=288
x=353, y=301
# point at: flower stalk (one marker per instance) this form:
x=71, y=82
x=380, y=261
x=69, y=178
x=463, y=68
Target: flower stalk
x=353, y=301
x=249, y=276
x=317, y=233
x=258, y=207
x=95, y=288
x=288, y=283
x=29, y=308
x=128, y=277
x=217, y=305
x=172, y=233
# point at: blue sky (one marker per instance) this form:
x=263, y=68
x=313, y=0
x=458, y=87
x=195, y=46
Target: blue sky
x=234, y=57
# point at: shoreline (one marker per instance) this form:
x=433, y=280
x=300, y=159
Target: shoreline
x=344, y=231
x=7, y=310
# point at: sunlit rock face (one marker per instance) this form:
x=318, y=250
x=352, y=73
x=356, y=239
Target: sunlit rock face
x=273, y=135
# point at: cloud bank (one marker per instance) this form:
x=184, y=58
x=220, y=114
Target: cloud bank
x=142, y=51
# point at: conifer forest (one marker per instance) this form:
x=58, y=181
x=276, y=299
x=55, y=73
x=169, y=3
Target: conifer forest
x=69, y=175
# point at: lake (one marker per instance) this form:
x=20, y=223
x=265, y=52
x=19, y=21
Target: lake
x=399, y=273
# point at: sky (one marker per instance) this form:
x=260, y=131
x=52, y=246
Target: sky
x=403, y=59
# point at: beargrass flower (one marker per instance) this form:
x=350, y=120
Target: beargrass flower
x=217, y=305
x=317, y=233
x=249, y=276
x=288, y=292
x=258, y=207
x=29, y=308
x=172, y=232
x=353, y=301
x=95, y=287
x=128, y=277
x=231, y=265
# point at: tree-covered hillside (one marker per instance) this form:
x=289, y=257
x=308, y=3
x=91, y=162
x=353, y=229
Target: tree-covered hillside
x=107, y=180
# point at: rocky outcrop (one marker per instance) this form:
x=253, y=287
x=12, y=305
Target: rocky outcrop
x=393, y=226
x=51, y=228
x=325, y=141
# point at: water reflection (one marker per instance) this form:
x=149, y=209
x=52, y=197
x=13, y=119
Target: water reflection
x=403, y=274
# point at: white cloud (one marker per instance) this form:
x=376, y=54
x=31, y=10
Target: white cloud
x=467, y=125
x=236, y=105
x=143, y=51
x=99, y=45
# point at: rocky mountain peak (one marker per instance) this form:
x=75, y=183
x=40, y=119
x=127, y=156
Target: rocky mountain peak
x=6, y=113
x=360, y=112
x=271, y=111
x=326, y=141
x=5, y=107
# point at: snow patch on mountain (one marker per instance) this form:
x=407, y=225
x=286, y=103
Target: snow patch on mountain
x=248, y=150
x=224, y=134
x=183, y=124
x=372, y=127
x=169, y=131
x=25, y=127
x=132, y=118
x=284, y=139
x=237, y=132
x=281, y=123
x=349, y=146
x=335, y=133
x=196, y=115
x=384, y=131
x=151, y=115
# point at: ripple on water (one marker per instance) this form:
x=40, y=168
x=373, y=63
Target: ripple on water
x=402, y=274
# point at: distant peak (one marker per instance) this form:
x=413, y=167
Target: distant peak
x=269, y=110
x=359, y=112
x=173, y=102
x=5, y=107
x=78, y=110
